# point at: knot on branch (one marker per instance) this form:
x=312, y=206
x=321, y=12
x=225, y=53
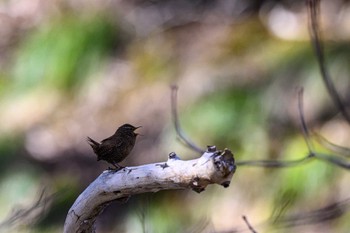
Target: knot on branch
x=225, y=162
x=211, y=148
x=198, y=185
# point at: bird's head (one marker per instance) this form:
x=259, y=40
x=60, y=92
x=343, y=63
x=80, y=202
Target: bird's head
x=128, y=128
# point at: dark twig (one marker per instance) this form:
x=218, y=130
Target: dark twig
x=304, y=128
x=178, y=129
x=344, y=151
x=248, y=224
x=200, y=226
x=272, y=163
x=313, y=11
x=283, y=164
x=265, y=163
x=279, y=211
x=190, y=144
x=20, y=216
x=335, y=160
x=330, y=212
x=340, y=162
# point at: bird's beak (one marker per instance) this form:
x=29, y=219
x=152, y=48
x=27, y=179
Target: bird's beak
x=136, y=129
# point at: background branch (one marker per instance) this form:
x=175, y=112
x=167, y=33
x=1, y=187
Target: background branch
x=313, y=12
x=176, y=121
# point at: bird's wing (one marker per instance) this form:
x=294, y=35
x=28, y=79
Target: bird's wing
x=112, y=142
x=107, y=139
x=105, y=150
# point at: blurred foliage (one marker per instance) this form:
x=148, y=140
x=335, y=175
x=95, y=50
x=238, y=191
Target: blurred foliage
x=221, y=114
x=68, y=68
x=63, y=52
x=151, y=63
x=9, y=147
x=62, y=201
x=25, y=183
x=302, y=182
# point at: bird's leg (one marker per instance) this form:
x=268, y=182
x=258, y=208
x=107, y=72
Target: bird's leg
x=117, y=166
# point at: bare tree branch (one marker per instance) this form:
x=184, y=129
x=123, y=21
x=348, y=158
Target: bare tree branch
x=213, y=167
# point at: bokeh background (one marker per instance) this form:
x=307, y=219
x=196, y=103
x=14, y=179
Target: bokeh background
x=72, y=69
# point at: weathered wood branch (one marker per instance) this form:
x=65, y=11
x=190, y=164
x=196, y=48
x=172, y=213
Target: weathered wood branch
x=213, y=167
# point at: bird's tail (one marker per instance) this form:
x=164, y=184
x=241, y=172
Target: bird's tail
x=93, y=143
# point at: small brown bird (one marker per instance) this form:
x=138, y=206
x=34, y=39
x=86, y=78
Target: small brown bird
x=117, y=147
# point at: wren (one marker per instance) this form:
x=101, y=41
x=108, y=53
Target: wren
x=117, y=147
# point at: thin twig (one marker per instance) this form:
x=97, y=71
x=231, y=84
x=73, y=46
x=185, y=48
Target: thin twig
x=178, y=129
x=335, y=160
x=265, y=163
x=341, y=150
x=19, y=216
x=313, y=11
x=273, y=163
x=256, y=163
x=304, y=128
x=327, y=213
x=248, y=224
x=340, y=162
